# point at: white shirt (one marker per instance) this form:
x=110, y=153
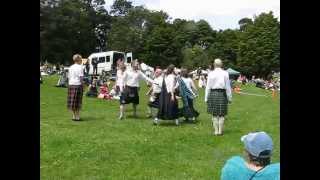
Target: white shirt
x=171, y=83
x=218, y=79
x=131, y=78
x=75, y=74
x=120, y=75
x=157, y=84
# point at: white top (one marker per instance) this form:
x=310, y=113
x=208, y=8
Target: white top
x=119, y=79
x=157, y=84
x=171, y=83
x=131, y=78
x=75, y=74
x=218, y=79
x=189, y=83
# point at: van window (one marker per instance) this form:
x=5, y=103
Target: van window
x=108, y=58
x=102, y=59
x=128, y=59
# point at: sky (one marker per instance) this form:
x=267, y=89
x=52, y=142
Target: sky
x=220, y=14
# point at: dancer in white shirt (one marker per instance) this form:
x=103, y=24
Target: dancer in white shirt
x=75, y=88
x=119, y=79
x=217, y=95
x=130, y=94
x=155, y=92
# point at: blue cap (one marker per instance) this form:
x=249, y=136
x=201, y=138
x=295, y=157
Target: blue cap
x=257, y=142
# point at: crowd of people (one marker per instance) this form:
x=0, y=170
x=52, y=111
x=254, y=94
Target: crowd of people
x=166, y=88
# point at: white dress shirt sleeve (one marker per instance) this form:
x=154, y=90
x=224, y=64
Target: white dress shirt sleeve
x=207, y=89
x=124, y=80
x=228, y=88
x=144, y=77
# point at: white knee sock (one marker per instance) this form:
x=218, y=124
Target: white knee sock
x=134, y=110
x=221, y=123
x=215, y=122
x=121, y=111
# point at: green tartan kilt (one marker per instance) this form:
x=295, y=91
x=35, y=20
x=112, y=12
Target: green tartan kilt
x=217, y=102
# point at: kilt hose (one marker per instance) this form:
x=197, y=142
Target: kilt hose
x=217, y=102
x=74, y=101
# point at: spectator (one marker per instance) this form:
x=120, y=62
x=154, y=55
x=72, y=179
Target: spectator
x=87, y=67
x=94, y=63
x=104, y=92
x=256, y=165
x=93, y=91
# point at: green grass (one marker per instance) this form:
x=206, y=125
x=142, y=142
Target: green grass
x=103, y=147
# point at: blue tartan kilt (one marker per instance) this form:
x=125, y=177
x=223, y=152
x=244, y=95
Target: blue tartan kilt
x=217, y=103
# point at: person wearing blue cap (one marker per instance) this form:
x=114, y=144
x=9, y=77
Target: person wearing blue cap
x=258, y=150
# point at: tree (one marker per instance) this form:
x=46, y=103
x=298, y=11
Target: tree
x=259, y=46
x=72, y=27
x=121, y=7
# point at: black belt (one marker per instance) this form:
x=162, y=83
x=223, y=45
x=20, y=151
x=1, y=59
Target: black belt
x=219, y=90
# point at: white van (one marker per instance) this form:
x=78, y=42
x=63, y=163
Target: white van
x=107, y=61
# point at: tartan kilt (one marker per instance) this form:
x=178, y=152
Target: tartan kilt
x=74, y=101
x=217, y=102
x=129, y=95
x=155, y=103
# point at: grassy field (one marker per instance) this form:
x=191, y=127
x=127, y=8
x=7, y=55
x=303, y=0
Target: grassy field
x=103, y=147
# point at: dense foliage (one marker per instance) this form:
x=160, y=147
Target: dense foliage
x=85, y=26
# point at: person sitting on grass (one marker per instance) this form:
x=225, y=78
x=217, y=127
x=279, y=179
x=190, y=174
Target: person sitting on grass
x=104, y=92
x=63, y=80
x=92, y=89
x=257, y=163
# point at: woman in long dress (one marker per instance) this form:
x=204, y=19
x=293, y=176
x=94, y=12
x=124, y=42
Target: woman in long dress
x=168, y=103
x=187, y=91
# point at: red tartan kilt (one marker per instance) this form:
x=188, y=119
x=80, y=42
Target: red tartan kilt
x=74, y=101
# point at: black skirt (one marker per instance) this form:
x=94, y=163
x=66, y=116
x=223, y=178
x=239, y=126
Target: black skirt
x=74, y=101
x=168, y=109
x=129, y=95
x=155, y=103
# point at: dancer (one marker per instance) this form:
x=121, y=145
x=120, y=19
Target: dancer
x=217, y=94
x=119, y=79
x=187, y=91
x=131, y=79
x=155, y=93
x=168, y=103
x=75, y=88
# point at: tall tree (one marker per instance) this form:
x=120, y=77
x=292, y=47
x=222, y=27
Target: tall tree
x=259, y=46
x=121, y=7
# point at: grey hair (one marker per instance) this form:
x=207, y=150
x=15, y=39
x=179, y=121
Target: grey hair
x=76, y=57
